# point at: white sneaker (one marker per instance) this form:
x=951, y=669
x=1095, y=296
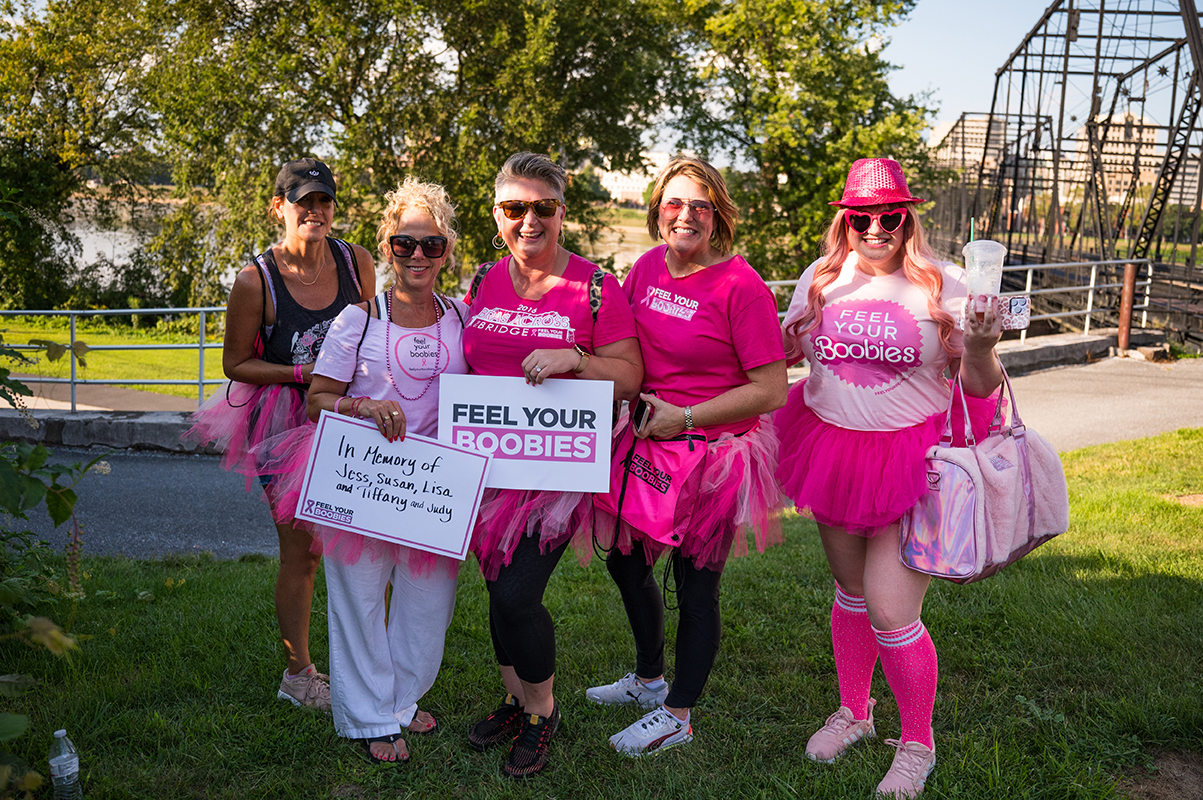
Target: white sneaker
x=658, y=730
x=627, y=691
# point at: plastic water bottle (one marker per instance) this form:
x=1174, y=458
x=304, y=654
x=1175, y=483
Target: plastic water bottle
x=64, y=768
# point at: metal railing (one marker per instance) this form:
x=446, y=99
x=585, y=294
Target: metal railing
x=1089, y=289
x=200, y=347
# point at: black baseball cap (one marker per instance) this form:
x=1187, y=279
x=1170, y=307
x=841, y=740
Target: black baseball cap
x=299, y=178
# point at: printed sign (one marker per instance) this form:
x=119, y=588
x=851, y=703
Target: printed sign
x=418, y=492
x=554, y=436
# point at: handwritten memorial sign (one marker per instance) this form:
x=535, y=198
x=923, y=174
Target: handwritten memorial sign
x=554, y=436
x=418, y=492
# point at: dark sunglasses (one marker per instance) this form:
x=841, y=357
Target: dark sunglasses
x=672, y=207
x=404, y=246
x=516, y=209
x=889, y=221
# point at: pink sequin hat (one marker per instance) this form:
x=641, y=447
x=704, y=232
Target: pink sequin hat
x=874, y=182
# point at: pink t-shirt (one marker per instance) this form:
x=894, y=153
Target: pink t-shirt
x=702, y=333
x=875, y=360
x=417, y=355
x=505, y=328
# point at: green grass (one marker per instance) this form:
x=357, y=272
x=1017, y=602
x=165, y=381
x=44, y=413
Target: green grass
x=1067, y=671
x=116, y=364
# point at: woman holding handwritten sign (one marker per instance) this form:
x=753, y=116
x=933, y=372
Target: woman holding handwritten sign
x=706, y=450
x=279, y=311
x=567, y=319
x=381, y=362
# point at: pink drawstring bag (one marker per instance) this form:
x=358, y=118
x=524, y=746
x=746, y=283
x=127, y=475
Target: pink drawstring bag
x=654, y=488
x=987, y=505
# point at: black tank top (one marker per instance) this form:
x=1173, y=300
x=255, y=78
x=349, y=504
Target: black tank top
x=298, y=333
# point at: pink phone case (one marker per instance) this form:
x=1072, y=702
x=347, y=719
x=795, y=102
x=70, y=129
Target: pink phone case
x=1015, y=312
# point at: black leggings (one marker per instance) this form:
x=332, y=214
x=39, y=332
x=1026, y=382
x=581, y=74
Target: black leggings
x=698, y=631
x=524, y=636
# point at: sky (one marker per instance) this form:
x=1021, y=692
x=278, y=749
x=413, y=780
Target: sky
x=952, y=49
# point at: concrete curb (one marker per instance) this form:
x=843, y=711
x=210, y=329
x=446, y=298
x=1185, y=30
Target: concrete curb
x=1064, y=349
x=133, y=430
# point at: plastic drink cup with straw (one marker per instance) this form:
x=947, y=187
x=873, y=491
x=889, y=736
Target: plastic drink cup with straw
x=983, y=270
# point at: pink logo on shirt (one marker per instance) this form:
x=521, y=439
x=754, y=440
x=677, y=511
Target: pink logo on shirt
x=868, y=342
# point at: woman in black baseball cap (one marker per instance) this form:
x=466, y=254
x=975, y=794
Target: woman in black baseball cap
x=278, y=314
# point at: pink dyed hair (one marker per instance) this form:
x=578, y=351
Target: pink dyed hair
x=918, y=265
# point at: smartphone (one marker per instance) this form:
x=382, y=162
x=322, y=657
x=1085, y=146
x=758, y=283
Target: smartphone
x=1015, y=312
x=642, y=413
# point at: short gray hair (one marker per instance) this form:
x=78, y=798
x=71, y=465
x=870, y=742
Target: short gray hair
x=532, y=166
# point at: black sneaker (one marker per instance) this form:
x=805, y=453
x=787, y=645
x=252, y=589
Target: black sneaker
x=501, y=726
x=528, y=753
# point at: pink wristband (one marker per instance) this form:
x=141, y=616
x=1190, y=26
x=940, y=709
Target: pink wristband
x=297, y=375
x=338, y=402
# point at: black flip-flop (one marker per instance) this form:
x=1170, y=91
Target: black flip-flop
x=391, y=739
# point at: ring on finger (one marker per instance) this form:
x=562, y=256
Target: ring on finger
x=394, y=413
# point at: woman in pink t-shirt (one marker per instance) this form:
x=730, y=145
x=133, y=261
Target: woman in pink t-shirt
x=539, y=313
x=381, y=361
x=714, y=368
x=874, y=319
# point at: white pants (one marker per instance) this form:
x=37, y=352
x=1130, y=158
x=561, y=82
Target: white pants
x=378, y=673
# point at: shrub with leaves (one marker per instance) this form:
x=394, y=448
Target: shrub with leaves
x=29, y=577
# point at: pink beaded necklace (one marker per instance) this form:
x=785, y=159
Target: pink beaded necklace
x=388, y=347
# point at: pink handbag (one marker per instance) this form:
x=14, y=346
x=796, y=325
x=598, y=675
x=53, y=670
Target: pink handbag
x=987, y=504
x=654, y=488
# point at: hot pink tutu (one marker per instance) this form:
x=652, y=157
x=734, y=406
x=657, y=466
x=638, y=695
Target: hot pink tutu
x=506, y=515
x=861, y=481
x=240, y=417
x=285, y=458
x=737, y=493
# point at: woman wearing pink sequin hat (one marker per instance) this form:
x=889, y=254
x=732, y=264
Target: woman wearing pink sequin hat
x=874, y=319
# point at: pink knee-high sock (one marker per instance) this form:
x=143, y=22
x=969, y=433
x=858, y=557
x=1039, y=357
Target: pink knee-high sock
x=908, y=658
x=855, y=648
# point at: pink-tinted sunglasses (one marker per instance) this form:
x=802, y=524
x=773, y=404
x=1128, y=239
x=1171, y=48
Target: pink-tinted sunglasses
x=889, y=221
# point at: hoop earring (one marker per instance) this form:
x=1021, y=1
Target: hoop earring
x=560, y=241
x=498, y=244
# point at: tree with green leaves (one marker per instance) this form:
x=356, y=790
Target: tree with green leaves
x=70, y=104
x=795, y=91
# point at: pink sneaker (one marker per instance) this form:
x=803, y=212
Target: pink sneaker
x=908, y=774
x=840, y=732
x=310, y=689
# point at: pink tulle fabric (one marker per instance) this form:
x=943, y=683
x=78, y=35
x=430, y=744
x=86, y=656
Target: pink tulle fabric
x=738, y=493
x=506, y=515
x=239, y=417
x=285, y=457
x=861, y=481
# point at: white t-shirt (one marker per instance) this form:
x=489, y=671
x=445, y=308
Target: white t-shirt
x=875, y=359
x=417, y=355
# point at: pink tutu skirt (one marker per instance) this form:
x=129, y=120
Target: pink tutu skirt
x=506, y=515
x=239, y=418
x=737, y=493
x=861, y=481
x=285, y=457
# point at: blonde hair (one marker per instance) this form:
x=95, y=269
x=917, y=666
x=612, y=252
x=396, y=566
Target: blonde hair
x=918, y=265
x=708, y=177
x=412, y=193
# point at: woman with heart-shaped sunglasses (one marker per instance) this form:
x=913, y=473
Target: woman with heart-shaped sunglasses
x=874, y=318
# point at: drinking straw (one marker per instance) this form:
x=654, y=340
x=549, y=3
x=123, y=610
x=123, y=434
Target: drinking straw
x=971, y=221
